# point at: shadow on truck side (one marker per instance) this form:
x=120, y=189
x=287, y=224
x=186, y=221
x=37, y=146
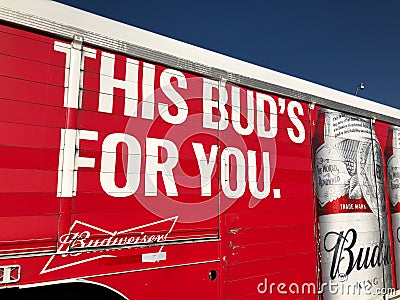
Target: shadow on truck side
x=63, y=291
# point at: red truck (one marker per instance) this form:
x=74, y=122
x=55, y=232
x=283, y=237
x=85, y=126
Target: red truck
x=134, y=166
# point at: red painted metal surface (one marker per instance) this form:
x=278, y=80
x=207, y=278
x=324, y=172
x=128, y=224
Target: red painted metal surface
x=158, y=178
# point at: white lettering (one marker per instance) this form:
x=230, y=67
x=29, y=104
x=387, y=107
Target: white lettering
x=205, y=167
x=108, y=163
x=70, y=161
x=174, y=96
x=108, y=83
x=153, y=166
x=273, y=116
x=226, y=175
x=149, y=72
x=209, y=103
x=72, y=72
x=253, y=175
x=236, y=111
x=296, y=122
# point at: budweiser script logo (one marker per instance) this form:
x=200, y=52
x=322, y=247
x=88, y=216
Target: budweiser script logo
x=86, y=241
x=348, y=257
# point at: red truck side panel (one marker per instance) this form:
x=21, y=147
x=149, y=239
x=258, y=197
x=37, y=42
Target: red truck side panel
x=152, y=181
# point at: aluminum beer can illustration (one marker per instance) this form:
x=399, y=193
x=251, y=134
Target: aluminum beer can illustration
x=350, y=191
x=392, y=156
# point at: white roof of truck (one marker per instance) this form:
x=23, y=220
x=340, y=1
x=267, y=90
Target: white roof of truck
x=32, y=12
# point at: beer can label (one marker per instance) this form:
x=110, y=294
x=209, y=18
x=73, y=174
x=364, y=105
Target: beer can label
x=348, y=167
x=396, y=137
x=353, y=223
x=355, y=255
x=393, y=182
x=393, y=177
x=393, y=166
x=396, y=244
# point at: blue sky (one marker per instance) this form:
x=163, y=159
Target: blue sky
x=334, y=43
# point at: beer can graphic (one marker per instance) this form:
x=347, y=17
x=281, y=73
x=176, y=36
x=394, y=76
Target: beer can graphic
x=392, y=156
x=353, y=223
